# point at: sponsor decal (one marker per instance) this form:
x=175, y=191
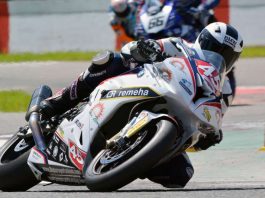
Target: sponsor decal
x=207, y=114
x=21, y=145
x=230, y=41
x=97, y=111
x=130, y=92
x=98, y=74
x=79, y=124
x=177, y=63
x=63, y=148
x=61, y=157
x=51, y=146
x=218, y=116
x=58, y=151
x=73, y=90
x=186, y=85
x=140, y=73
x=56, y=139
x=55, y=151
x=66, y=159
x=60, y=132
x=38, y=156
x=167, y=74
x=77, y=156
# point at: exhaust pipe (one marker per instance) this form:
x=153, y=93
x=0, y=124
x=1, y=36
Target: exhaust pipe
x=33, y=115
x=34, y=124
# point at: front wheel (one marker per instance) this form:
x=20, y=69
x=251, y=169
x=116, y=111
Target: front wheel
x=113, y=168
x=15, y=174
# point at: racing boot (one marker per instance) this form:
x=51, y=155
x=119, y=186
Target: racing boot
x=65, y=99
x=104, y=65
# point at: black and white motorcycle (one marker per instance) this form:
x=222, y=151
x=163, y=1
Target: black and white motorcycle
x=130, y=124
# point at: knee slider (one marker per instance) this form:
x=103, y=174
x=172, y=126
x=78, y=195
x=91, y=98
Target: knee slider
x=97, y=71
x=101, y=61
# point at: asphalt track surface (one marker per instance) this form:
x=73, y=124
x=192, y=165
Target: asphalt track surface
x=234, y=168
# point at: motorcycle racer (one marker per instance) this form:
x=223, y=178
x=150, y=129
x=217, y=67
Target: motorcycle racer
x=123, y=19
x=216, y=37
x=200, y=10
x=186, y=19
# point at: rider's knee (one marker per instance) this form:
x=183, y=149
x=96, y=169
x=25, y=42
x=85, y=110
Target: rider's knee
x=173, y=174
x=101, y=61
x=105, y=65
x=177, y=179
x=180, y=180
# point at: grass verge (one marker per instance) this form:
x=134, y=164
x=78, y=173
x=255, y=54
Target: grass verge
x=14, y=101
x=51, y=56
x=248, y=52
x=253, y=52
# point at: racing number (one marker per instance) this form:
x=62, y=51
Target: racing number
x=208, y=71
x=76, y=154
x=155, y=22
x=211, y=74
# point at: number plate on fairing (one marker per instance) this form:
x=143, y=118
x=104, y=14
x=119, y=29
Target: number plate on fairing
x=156, y=23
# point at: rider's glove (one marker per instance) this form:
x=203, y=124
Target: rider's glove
x=200, y=14
x=147, y=51
x=209, y=140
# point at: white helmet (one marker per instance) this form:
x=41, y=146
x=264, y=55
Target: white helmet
x=222, y=39
x=120, y=7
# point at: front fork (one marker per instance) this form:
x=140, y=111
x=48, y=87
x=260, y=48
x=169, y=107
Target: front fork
x=138, y=122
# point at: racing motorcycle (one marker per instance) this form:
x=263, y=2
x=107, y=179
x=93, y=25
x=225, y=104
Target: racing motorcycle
x=170, y=19
x=130, y=124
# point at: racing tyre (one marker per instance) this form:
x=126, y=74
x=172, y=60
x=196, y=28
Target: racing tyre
x=113, y=168
x=15, y=174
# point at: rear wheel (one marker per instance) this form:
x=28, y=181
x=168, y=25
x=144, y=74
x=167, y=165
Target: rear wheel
x=115, y=167
x=15, y=174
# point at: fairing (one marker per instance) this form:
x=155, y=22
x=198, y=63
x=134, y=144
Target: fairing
x=175, y=80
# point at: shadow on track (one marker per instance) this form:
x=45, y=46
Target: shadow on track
x=157, y=190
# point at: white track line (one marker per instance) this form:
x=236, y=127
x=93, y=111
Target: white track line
x=4, y=138
x=2, y=142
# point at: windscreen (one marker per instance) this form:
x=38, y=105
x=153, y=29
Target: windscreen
x=217, y=61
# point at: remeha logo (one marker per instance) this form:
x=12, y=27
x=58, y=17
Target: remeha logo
x=130, y=92
x=230, y=41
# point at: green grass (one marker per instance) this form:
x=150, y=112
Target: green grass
x=14, y=101
x=51, y=56
x=253, y=52
x=248, y=52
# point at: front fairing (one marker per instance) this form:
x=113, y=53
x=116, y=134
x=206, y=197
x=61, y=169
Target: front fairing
x=192, y=110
